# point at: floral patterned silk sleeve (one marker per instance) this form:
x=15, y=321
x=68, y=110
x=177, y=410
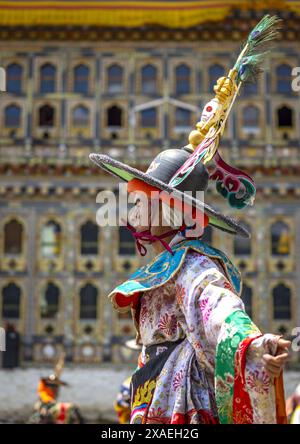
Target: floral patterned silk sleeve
x=230, y=341
x=201, y=359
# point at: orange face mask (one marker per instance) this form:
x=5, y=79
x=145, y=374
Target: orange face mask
x=139, y=185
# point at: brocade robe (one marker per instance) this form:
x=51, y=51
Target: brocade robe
x=205, y=364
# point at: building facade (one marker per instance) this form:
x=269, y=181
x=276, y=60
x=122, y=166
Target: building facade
x=131, y=93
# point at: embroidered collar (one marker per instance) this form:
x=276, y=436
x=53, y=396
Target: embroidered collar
x=163, y=267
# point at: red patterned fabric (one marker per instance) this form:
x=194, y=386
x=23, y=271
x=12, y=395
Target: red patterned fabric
x=61, y=418
x=242, y=409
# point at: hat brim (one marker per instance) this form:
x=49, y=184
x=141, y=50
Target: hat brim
x=127, y=173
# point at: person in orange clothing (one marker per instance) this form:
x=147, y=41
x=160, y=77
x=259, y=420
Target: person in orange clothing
x=48, y=410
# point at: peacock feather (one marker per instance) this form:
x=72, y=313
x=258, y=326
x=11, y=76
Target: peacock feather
x=258, y=45
x=235, y=185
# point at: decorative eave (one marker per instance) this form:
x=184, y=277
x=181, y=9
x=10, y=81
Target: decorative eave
x=180, y=14
x=55, y=169
x=42, y=191
x=40, y=183
x=233, y=27
x=70, y=169
x=127, y=13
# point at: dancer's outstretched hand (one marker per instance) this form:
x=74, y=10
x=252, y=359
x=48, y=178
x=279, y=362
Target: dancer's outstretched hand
x=275, y=364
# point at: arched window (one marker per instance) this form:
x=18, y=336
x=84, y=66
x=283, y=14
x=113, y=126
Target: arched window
x=281, y=302
x=114, y=116
x=13, y=236
x=81, y=79
x=251, y=119
x=88, y=302
x=214, y=72
x=149, y=79
x=182, y=118
x=47, y=78
x=280, y=239
x=11, y=298
x=50, y=301
x=80, y=116
x=183, y=79
x=89, y=233
x=126, y=242
x=14, y=73
x=207, y=235
x=283, y=79
x=12, y=115
x=51, y=240
x=247, y=299
x=285, y=118
x=46, y=116
x=115, y=79
x=148, y=118
x=242, y=245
